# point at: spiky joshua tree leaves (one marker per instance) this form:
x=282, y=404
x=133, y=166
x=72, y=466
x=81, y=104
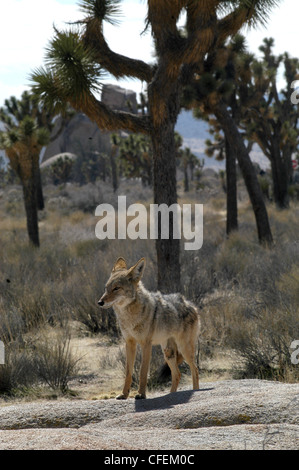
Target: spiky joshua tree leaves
x=77, y=58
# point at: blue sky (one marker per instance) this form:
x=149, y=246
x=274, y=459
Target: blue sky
x=26, y=27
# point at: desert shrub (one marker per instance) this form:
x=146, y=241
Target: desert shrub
x=85, y=198
x=233, y=256
x=35, y=292
x=265, y=271
x=30, y=362
x=198, y=272
x=95, y=319
x=287, y=287
x=235, y=320
x=54, y=361
x=249, y=302
x=18, y=371
x=265, y=184
x=293, y=191
x=264, y=344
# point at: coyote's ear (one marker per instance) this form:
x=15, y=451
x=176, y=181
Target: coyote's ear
x=119, y=265
x=136, y=271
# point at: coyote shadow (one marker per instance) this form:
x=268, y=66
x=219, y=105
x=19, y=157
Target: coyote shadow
x=167, y=401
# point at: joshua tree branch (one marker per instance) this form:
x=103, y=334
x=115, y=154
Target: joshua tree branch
x=116, y=64
x=231, y=23
x=109, y=119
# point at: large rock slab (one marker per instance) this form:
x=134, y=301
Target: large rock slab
x=245, y=414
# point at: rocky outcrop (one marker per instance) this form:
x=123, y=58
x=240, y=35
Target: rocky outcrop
x=81, y=135
x=119, y=98
x=50, y=161
x=245, y=414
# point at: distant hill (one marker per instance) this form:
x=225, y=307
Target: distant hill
x=195, y=132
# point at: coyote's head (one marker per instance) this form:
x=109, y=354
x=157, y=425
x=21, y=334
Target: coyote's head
x=122, y=283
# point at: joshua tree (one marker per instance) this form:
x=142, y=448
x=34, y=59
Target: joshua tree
x=266, y=116
x=221, y=149
x=23, y=142
x=76, y=58
x=219, y=93
x=13, y=112
x=135, y=157
x=188, y=161
x=270, y=118
x=231, y=72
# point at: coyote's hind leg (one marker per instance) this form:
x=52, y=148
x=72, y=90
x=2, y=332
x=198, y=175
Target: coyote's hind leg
x=172, y=358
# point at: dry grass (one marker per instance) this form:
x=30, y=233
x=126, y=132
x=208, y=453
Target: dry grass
x=248, y=296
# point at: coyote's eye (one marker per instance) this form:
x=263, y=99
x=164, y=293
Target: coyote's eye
x=115, y=289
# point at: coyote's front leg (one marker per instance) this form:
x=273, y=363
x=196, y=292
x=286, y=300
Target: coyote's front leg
x=130, y=358
x=146, y=357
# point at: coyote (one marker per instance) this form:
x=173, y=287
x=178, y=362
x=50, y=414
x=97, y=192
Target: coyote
x=151, y=318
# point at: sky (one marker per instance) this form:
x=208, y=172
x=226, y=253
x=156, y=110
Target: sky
x=26, y=26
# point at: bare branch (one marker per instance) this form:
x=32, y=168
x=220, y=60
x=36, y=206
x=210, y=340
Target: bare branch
x=231, y=23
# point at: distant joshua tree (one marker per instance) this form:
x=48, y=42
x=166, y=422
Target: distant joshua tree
x=22, y=141
x=217, y=93
x=272, y=119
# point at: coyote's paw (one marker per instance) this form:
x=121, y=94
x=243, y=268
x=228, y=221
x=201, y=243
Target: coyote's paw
x=121, y=397
x=140, y=396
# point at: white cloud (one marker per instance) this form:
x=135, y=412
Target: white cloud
x=282, y=26
x=27, y=25
x=8, y=90
x=25, y=29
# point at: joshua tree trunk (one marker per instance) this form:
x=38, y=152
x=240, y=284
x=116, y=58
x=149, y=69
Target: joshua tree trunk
x=112, y=156
x=255, y=194
x=280, y=177
x=27, y=168
x=280, y=184
x=39, y=190
x=168, y=251
x=29, y=191
x=231, y=191
x=164, y=176
x=186, y=179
